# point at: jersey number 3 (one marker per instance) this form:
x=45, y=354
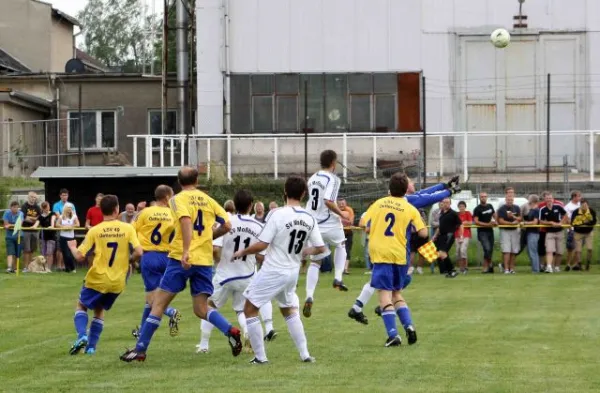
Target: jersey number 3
x=297, y=239
x=315, y=199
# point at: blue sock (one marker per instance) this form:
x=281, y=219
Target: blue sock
x=95, y=332
x=359, y=303
x=81, y=321
x=218, y=320
x=169, y=312
x=389, y=320
x=404, y=315
x=145, y=314
x=152, y=323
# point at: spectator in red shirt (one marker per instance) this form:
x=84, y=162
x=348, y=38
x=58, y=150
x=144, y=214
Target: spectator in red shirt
x=94, y=214
x=462, y=244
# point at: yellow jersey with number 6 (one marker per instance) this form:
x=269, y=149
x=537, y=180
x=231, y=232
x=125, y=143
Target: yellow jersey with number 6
x=154, y=227
x=204, y=212
x=390, y=222
x=111, y=242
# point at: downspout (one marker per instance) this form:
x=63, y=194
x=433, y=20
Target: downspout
x=227, y=76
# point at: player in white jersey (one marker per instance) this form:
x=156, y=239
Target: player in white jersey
x=232, y=277
x=323, y=188
x=285, y=236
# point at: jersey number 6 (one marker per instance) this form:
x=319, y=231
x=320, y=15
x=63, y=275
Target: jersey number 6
x=156, y=237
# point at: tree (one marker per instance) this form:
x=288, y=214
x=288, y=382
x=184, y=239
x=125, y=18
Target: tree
x=114, y=33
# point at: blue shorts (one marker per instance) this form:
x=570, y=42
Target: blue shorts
x=12, y=248
x=153, y=265
x=570, y=240
x=389, y=276
x=93, y=299
x=175, y=278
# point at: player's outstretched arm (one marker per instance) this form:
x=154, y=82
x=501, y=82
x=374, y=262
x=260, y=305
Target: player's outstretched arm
x=136, y=254
x=221, y=230
x=332, y=205
x=423, y=200
x=253, y=249
x=313, y=251
x=78, y=255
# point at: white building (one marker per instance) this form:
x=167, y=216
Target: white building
x=364, y=59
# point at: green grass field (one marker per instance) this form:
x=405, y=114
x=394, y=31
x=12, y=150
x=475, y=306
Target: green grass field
x=521, y=333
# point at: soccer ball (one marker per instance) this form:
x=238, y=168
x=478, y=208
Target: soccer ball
x=500, y=38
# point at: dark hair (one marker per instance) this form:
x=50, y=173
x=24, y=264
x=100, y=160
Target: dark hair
x=398, y=184
x=14, y=203
x=162, y=192
x=583, y=200
x=507, y=189
x=575, y=193
x=63, y=191
x=108, y=204
x=44, y=204
x=463, y=203
x=295, y=187
x=327, y=158
x=243, y=201
x=187, y=176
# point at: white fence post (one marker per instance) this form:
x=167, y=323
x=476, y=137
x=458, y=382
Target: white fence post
x=441, y=155
x=162, y=152
x=345, y=157
x=375, y=157
x=592, y=163
x=229, y=157
x=275, y=154
x=148, y=152
x=208, y=159
x=172, y=142
x=465, y=158
x=135, y=151
x=182, y=140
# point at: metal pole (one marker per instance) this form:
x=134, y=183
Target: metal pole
x=183, y=71
x=424, y=128
x=548, y=132
x=165, y=67
x=306, y=129
x=80, y=157
x=592, y=164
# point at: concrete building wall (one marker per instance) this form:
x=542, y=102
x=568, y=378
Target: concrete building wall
x=61, y=41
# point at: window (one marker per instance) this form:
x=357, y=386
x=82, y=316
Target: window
x=155, y=125
x=385, y=112
x=262, y=113
x=98, y=130
x=287, y=113
x=360, y=113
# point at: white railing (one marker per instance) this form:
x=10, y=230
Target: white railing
x=453, y=146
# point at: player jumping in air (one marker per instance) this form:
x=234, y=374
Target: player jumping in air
x=323, y=188
x=233, y=276
x=418, y=199
x=389, y=234
x=105, y=280
x=155, y=230
x=284, y=236
x=190, y=259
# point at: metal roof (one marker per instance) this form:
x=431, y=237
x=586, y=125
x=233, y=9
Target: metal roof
x=102, y=172
x=11, y=63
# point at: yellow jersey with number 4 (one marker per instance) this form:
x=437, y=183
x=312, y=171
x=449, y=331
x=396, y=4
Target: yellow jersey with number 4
x=391, y=220
x=204, y=212
x=154, y=227
x=111, y=242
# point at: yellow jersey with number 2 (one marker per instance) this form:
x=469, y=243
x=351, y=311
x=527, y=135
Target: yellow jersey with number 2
x=390, y=220
x=154, y=227
x=111, y=242
x=204, y=212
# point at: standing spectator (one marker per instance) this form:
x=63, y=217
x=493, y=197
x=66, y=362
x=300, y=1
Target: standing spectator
x=531, y=215
x=483, y=216
x=509, y=215
x=347, y=221
x=13, y=248
x=583, y=221
x=94, y=214
x=570, y=207
x=449, y=224
x=273, y=205
x=58, y=207
x=48, y=237
x=259, y=212
x=542, y=241
x=414, y=246
x=67, y=221
x=140, y=206
x=129, y=214
x=434, y=220
x=462, y=247
x=229, y=207
x=31, y=213
x=554, y=216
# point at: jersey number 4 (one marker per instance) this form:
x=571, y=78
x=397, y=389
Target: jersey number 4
x=297, y=239
x=238, y=242
x=198, y=226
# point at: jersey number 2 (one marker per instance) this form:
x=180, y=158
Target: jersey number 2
x=297, y=239
x=113, y=253
x=198, y=226
x=315, y=201
x=391, y=219
x=238, y=242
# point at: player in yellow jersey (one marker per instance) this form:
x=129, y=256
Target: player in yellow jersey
x=111, y=241
x=389, y=236
x=190, y=259
x=155, y=229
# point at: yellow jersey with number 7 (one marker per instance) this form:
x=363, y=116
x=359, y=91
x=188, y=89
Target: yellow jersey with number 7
x=111, y=242
x=154, y=227
x=391, y=220
x=204, y=212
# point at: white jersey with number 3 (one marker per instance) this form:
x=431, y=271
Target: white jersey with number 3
x=244, y=233
x=288, y=231
x=322, y=186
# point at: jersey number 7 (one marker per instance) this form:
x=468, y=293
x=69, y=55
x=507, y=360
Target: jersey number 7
x=114, y=246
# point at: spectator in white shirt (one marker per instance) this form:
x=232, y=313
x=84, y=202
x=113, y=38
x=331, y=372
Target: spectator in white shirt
x=570, y=207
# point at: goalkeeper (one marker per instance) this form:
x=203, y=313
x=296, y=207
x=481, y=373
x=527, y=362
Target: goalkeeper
x=419, y=199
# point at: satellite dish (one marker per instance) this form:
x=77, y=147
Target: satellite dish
x=74, y=66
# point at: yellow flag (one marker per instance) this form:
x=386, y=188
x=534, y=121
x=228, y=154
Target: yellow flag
x=428, y=251
x=19, y=223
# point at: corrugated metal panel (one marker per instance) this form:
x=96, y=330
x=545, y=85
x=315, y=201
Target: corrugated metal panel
x=519, y=151
x=562, y=117
x=480, y=70
x=482, y=149
x=102, y=172
x=520, y=70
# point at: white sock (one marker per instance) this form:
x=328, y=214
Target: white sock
x=205, y=330
x=339, y=261
x=242, y=321
x=266, y=313
x=296, y=330
x=312, y=278
x=366, y=294
x=255, y=333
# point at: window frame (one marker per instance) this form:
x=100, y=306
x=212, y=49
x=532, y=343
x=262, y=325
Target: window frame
x=98, y=148
x=149, y=122
x=374, y=113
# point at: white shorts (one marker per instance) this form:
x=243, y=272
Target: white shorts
x=273, y=284
x=332, y=233
x=233, y=289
